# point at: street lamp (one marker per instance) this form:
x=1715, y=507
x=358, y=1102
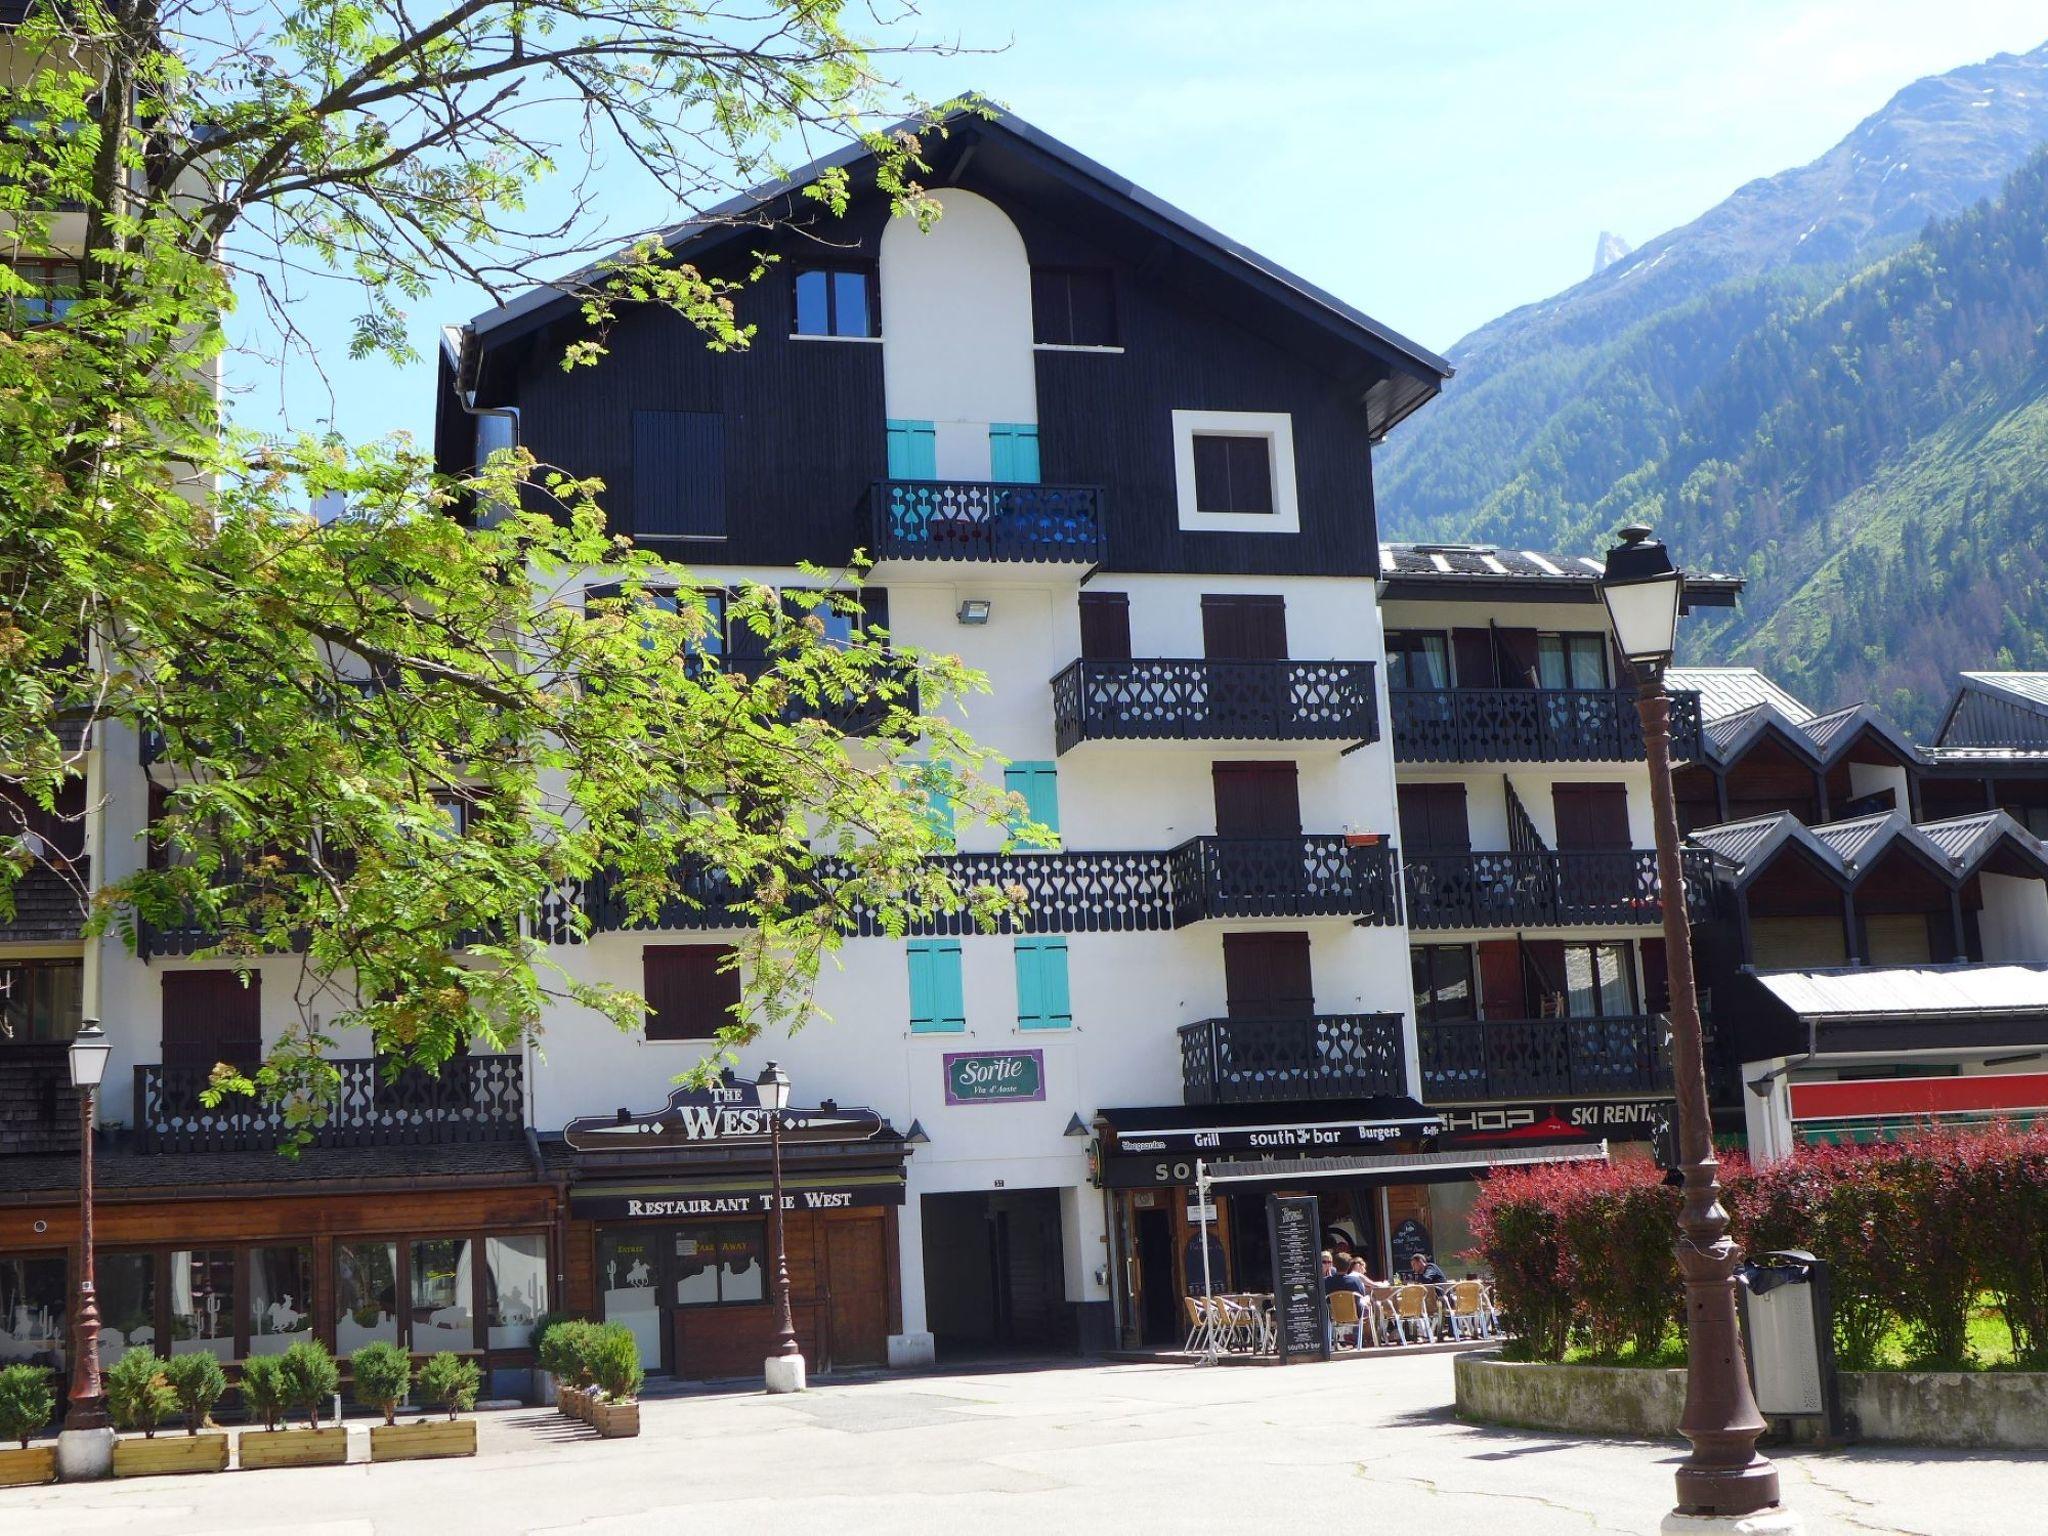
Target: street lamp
x=85, y=1448
x=783, y=1370
x=1723, y=1479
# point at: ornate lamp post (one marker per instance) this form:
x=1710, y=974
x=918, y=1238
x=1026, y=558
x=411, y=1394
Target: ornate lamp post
x=85, y=1449
x=783, y=1370
x=1723, y=1481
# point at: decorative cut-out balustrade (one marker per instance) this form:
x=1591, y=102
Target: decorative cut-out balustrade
x=1531, y=725
x=1538, y=890
x=1201, y=700
x=1259, y=1061
x=1468, y=1060
x=982, y=521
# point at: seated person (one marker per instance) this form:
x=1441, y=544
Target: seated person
x=1336, y=1279
x=1422, y=1270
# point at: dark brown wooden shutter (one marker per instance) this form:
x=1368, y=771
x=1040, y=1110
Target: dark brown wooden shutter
x=1656, y=980
x=1105, y=626
x=689, y=992
x=1516, y=649
x=1256, y=799
x=1244, y=628
x=1473, y=649
x=1591, y=816
x=1543, y=970
x=211, y=1017
x=1266, y=976
x=1501, y=990
x=1433, y=818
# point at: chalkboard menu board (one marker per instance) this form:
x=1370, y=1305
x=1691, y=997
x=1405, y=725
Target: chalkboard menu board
x=1295, y=1228
x=1410, y=1238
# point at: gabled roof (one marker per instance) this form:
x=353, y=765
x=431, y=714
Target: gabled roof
x=1820, y=740
x=2004, y=719
x=2028, y=687
x=1727, y=691
x=1482, y=570
x=1958, y=847
x=1411, y=374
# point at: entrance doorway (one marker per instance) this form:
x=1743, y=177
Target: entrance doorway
x=994, y=1272
x=1159, y=1322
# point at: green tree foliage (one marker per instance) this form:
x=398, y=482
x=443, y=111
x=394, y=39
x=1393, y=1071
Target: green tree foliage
x=451, y=1382
x=199, y=1383
x=309, y=1378
x=139, y=1393
x=327, y=695
x=27, y=1399
x=262, y=1384
x=380, y=1375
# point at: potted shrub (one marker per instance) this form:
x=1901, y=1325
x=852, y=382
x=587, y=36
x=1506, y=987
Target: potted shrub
x=615, y=1362
x=308, y=1379
x=382, y=1375
x=449, y=1382
x=263, y=1388
x=545, y=1380
x=140, y=1395
x=27, y=1400
x=565, y=1355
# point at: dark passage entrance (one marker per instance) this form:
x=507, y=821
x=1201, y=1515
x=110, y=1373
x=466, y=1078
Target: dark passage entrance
x=994, y=1279
x=1160, y=1316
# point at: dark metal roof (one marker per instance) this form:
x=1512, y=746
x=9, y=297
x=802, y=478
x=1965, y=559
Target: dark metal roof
x=1482, y=570
x=1415, y=374
x=1958, y=846
x=1822, y=740
x=1728, y=691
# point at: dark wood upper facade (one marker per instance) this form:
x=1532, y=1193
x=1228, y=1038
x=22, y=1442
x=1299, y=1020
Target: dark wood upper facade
x=800, y=421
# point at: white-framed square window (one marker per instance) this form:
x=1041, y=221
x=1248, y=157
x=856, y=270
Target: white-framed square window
x=1234, y=471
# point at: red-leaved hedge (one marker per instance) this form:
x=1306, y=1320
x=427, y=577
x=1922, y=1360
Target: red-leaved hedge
x=1914, y=1232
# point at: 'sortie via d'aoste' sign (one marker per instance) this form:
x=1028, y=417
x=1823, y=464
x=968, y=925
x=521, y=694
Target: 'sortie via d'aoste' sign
x=995, y=1077
x=729, y=1115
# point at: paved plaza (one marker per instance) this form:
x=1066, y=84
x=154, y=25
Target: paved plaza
x=1142, y=1448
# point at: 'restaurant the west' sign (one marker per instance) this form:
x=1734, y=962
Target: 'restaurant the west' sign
x=729, y=1115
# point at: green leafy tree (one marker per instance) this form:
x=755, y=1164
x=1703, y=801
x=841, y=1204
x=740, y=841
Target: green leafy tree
x=322, y=693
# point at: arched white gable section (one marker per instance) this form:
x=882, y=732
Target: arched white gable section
x=956, y=329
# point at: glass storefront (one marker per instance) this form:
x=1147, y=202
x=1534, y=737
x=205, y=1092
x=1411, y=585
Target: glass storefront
x=280, y=1298
x=125, y=1288
x=365, y=1295
x=203, y=1302
x=33, y=1302
x=442, y=1296
x=629, y=1284
x=516, y=1281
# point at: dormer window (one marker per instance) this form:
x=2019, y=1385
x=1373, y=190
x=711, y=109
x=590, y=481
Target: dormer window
x=839, y=301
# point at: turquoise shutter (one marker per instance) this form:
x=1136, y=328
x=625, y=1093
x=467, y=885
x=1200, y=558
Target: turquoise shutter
x=913, y=450
x=1042, y=998
x=1013, y=453
x=937, y=1003
x=1039, y=784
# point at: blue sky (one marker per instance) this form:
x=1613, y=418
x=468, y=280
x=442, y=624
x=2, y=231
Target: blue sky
x=1435, y=163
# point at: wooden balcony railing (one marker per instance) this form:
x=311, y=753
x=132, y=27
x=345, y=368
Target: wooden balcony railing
x=471, y=1098
x=1202, y=700
x=978, y=520
x=1531, y=725
x=1473, y=1059
x=1545, y=890
x=1324, y=876
x=1325, y=1056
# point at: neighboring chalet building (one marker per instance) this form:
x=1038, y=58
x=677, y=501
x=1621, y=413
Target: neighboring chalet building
x=1529, y=858
x=1880, y=949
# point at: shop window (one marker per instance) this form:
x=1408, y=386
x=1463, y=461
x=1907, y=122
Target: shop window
x=365, y=1295
x=1571, y=661
x=719, y=1265
x=280, y=1298
x=442, y=1296
x=1417, y=659
x=203, y=1302
x=516, y=1288
x=124, y=1286
x=39, y=999
x=33, y=1296
x=629, y=1278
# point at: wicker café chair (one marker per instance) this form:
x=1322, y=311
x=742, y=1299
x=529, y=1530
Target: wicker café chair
x=1198, y=1324
x=1345, y=1312
x=1412, y=1309
x=1468, y=1310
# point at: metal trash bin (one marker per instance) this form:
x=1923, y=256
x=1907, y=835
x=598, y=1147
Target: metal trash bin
x=1788, y=1324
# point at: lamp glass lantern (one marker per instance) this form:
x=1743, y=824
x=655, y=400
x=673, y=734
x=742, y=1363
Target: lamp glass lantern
x=90, y=1049
x=1643, y=591
x=773, y=1087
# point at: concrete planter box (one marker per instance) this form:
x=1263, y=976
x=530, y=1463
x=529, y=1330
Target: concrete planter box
x=295, y=1447
x=616, y=1421
x=424, y=1440
x=171, y=1454
x=544, y=1389
x=21, y=1468
x=1589, y=1399
x=1964, y=1410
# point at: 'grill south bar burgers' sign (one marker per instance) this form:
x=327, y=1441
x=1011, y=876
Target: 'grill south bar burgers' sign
x=729, y=1115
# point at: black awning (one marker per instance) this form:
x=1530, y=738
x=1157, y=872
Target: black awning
x=1146, y=1146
